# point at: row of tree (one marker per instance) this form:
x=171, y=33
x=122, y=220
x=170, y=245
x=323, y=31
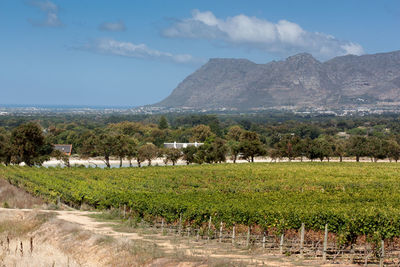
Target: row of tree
x=30, y=144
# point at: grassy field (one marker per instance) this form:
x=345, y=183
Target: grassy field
x=353, y=198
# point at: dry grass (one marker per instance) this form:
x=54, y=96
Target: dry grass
x=13, y=197
x=24, y=225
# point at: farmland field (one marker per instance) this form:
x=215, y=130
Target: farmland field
x=353, y=198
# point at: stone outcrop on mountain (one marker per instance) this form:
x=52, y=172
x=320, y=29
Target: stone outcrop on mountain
x=299, y=81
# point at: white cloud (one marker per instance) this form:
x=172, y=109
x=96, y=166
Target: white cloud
x=131, y=50
x=51, y=11
x=118, y=26
x=283, y=37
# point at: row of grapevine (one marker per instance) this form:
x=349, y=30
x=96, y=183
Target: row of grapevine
x=352, y=198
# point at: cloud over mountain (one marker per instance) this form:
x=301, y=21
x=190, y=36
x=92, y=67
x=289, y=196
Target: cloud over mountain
x=131, y=50
x=283, y=37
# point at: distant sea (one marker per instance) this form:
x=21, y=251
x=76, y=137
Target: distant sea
x=45, y=106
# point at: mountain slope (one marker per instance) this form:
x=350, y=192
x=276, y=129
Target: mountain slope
x=299, y=81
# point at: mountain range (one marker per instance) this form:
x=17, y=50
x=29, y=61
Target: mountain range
x=300, y=81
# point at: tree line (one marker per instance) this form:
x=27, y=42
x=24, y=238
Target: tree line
x=136, y=141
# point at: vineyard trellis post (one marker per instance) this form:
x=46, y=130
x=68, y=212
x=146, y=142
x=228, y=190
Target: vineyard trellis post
x=233, y=235
x=263, y=241
x=281, y=243
x=209, y=229
x=162, y=226
x=180, y=224
x=31, y=244
x=302, y=239
x=325, y=243
x=382, y=256
x=248, y=237
x=220, y=232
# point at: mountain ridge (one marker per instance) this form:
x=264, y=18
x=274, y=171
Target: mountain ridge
x=298, y=81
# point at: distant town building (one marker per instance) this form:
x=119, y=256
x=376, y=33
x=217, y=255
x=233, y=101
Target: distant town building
x=66, y=149
x=181, y=145
x=343, y=135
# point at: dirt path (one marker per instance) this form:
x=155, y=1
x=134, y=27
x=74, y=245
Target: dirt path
x=171, y=245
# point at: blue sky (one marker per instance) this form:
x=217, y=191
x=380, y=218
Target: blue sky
x=130, y=53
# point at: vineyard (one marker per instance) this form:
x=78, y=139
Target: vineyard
x=354, y=199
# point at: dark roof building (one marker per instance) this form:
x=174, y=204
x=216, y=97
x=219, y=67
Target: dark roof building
x=66, y=149
x=181, y=145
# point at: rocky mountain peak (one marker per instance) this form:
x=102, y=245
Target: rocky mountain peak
x=299, y=81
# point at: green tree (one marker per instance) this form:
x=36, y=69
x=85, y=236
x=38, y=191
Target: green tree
x=233, y=143
x=290, y=146
x=5, y=147
x=234, y=149
x=376, y=148
x=131, y=150
x=274, y=154
x=250, y=146
x=218, y=150
x=310, y=149
x=357, y=146
x=340, y=149
x=104, y=144
x=200, y=133
x=393, y=149
x=171, y=155
x=189, y=154
x=121, y=147
x=214, y=150
x=163, y=123
x=147, y=152
x=157, y=137
x=29, y=145
x=234, y=133
x=322, y=148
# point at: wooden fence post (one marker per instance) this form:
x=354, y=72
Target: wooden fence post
x=209, y=229
x=220, y=232
x=31, y=243
x=124, y=210
x=233, y=235
x=180, y=224
x=325, y=243
x=263, y=241
x=281, y=244
x=248, y=237
x=302, y=239
x=162, y=226
x=382, y=258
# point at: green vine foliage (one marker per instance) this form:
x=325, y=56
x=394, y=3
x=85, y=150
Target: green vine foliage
x=353, y=198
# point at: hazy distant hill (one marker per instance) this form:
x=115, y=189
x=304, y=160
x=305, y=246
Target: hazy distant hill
x=300, y=81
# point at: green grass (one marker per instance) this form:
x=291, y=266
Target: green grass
x=353, y=198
